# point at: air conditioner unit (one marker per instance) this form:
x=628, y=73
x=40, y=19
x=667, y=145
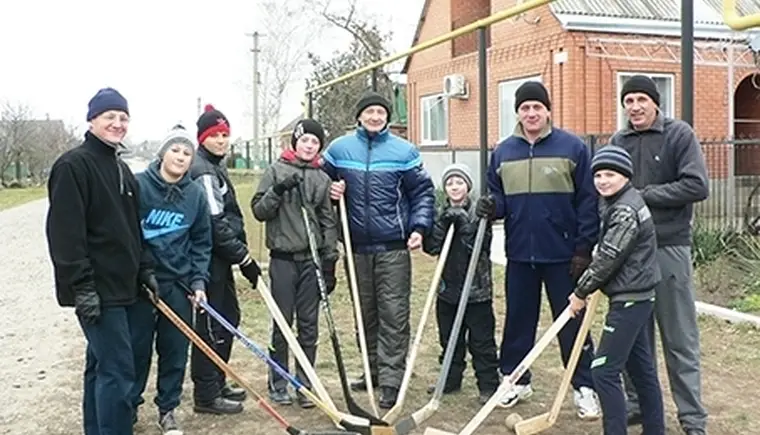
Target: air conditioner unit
x=455, y=86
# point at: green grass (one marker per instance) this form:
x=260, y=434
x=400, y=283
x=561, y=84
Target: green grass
x=14, y=197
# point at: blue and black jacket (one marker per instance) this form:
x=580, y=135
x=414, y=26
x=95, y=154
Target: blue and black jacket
x=389, y=194
x=545, y=194
x=176, y=225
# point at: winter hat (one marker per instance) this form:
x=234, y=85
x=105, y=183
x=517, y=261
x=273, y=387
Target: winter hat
x=211, y=122
x=104, y=100
x=613, y=158
x=305, y=126
x=177, y=134
x=458, y=170
x=372, y=99
x=532, y=91
x=643, y=84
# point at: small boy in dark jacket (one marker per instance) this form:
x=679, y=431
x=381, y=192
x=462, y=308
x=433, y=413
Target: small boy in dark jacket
x=624, y=267
x=477, y=332
x=293, y=181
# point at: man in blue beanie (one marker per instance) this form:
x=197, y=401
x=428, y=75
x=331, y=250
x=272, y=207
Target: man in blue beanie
x=95, y=244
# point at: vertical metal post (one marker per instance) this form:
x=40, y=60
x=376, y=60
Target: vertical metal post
x=248, y=154
x=730, y=201
x=310, y=106
x=269, y=150
x=687, y=61
x=483, y=107
x=374, y=79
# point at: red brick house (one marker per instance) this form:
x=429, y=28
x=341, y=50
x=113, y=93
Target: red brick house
x=583, y=52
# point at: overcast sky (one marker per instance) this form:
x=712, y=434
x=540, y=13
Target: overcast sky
x=161, y=54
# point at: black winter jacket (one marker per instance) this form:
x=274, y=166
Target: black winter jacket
x=93, y=225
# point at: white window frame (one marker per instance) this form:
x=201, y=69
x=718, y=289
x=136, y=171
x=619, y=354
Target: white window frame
x=507, y=89
x=427, y=141
x=668, y=110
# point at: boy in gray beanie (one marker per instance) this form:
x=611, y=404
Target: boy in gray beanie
x=477, y=332
x=624, y=267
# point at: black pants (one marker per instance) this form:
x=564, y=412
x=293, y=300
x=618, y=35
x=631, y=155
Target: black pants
x=625, y=343
x=294, y=288
x=477, y=335
x=207, y=377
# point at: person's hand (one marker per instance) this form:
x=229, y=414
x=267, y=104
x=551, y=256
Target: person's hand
x=328, y=274
x=251, y=270
x=337, y=189
x=578, y=264
x=576, y=305
x=196, y=299
x=456, y=216
x=485, y=208
x=87, y=305
x=287, y=184
x=414, y=241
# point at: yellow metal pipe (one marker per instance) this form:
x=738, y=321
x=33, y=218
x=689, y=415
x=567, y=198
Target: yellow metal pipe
x=736, y=21
x=485, y=22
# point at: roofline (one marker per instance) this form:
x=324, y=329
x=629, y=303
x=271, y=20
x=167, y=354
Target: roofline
x=417, y=31
x=644, y=26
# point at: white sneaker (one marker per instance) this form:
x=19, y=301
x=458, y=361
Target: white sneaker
x=587, y=403
x=515, y=395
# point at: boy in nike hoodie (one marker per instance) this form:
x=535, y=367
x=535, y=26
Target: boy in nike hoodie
x=297, y=180
x=176, y=226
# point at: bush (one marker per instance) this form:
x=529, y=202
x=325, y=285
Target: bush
x=708, y=244
x=744, y=257
x=440, y=198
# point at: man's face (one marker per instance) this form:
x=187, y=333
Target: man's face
x=640, y=110
x=534, y=116
x=177, y=159
x=217, y=144
x=110, y=126
x=307, y=147
x=373, y=118
x=608, y=182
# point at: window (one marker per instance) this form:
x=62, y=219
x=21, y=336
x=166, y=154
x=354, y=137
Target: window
x=665, y=86
x=507, y=115
x=434, y=121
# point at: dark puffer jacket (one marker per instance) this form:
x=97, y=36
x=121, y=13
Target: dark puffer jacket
x=455, y=269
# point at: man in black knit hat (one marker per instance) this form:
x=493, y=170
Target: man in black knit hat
x=672, y=177
x=541, y=184
x=212, y=394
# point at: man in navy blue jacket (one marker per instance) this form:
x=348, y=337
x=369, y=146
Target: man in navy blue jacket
x=390, y=203
x=541, y=184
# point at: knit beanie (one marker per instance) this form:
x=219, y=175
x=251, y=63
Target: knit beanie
x=532, y=91
x=458, y=170
x=104, y=100
x=308, y=126
x=643, y=84
x=372, y=99
x=211, y=122
x=177, y=134
x=613, y=158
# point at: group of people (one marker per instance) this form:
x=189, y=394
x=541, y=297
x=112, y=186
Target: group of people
x=575, y=222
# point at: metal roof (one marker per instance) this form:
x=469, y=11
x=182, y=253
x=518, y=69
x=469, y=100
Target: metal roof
x=705, y=11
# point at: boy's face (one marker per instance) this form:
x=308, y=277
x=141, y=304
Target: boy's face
x=456, y=189
x=307, y=147
x=217, y=144
x=177, y=159
x=608, y=182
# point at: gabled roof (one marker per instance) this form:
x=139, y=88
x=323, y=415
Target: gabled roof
x=416, y=39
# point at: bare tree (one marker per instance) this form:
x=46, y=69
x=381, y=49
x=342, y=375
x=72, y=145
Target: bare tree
x=48, y=140
x=15, y=134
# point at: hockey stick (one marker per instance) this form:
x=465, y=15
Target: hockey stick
x=546, y=420
x=352, y=406
x=412, y=422
x=392, y=414
x=219, y=362
x=509, y=381
x=357, y=303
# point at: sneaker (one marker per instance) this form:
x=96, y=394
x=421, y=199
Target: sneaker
x=484, y=397
x=587, y=403
x=304, y=401
x=168, y=424
x=388, y=397
x=280, y=396
x=515, y=395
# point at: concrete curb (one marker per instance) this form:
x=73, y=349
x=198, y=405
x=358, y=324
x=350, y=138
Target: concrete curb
x=727, y=314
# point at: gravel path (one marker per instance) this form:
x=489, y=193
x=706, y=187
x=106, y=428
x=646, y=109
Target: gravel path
x=42, y=345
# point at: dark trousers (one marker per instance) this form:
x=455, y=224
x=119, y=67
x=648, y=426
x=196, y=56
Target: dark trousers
x=626, y=344
x=294, y=288
x=477, y=335
x=109, y=373
x=523, y=288
x=171, y=347
x=384, y=281
x=208, y=379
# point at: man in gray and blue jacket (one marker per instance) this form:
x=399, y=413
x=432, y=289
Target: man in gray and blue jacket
x=671, y=176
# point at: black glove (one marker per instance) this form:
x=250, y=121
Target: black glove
x=148, y=279
x=87, y=305
x=328, y=273
x=485, y=207
x=287, y=184
x=456, y=216
x=251, y=270
x=578, y=265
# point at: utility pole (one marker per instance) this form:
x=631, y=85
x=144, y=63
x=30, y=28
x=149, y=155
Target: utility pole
x=256, y=122
x=198, y=107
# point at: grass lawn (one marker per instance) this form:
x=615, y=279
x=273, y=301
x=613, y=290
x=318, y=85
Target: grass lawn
x=13, y=197
x=731, y=358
